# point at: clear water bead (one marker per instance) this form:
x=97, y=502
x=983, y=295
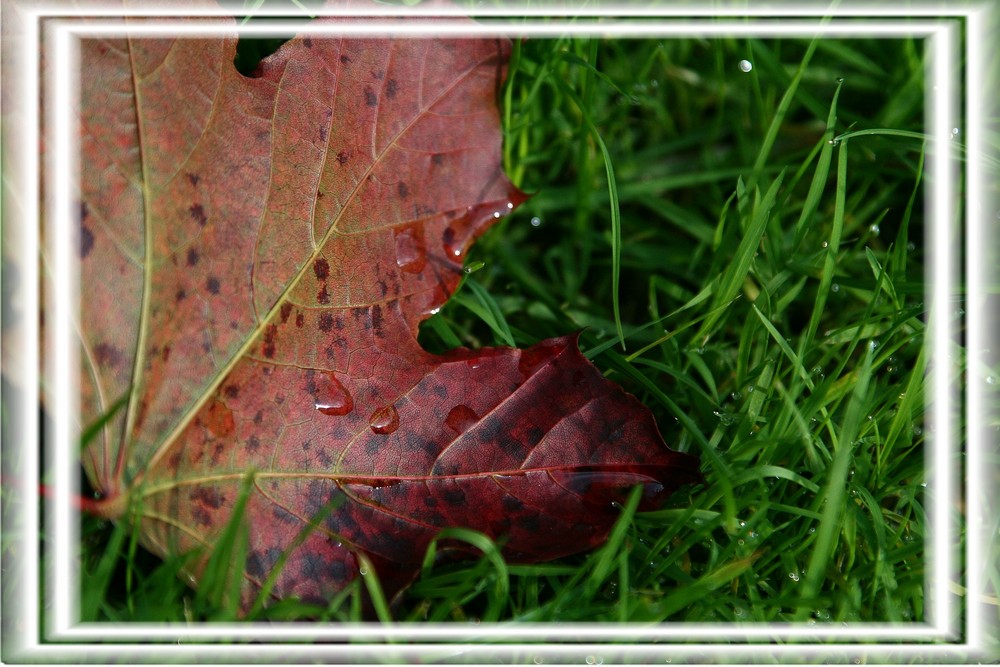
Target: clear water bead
x=745, y=66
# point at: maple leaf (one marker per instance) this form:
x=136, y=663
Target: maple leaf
x=257, y=254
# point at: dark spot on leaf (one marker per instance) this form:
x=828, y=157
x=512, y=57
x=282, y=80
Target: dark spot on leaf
x=257, y=418
x=192, y=257
x=180, y=295
x=212, y=284
x=193, y=178
x=377, y=320
x=511, y=446
x=453, y=496
x=437, y=159
x=344, y=60
x=218, y=452
x=198, y=214
x=269, y=335
x=165, y=355
x=253, y=443
x=529, y=522
x=313, y=567
x=260, y=563
x=307, y=42
x=283, y=515
x=200, y=516
x=371, y=99
x=322, y=137
x=321, y=268
x=300, y=319
x=512, y=504
x=343, y=157
x=323, y=296
x=324, y=459
x=391, y=87
x=383, y=288
x=286, y=310
x=403, y=191
x=318, y=494
x=231, y=391
x=108, y=355
x=210, y=497
x=86, y=241
x=319, y=195
x=325, y=322
x=378, y=74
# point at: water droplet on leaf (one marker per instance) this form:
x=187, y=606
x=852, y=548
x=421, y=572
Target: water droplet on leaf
x=460, y=418
x=536, y=221
x=411, y=252
x=332, y=398
x=384, y=420
x=745, y=66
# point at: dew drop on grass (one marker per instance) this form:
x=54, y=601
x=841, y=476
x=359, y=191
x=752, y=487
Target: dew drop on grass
x=745, y=65
x=825, y=244
x=536, y=221
x=363, y=571
x=835, y=287
x=991, y=379
x=911, y=246
x=840, y=79
x=874, y=229
x=473, y=267
x=794, y=576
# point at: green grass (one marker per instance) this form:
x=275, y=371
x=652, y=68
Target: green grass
x=756, y=283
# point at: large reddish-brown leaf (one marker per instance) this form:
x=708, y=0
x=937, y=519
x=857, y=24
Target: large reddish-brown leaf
x=256, y=256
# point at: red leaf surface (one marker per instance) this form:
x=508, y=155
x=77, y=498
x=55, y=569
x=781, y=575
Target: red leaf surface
x=257, y=254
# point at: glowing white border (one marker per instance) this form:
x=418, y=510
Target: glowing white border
x=63, y=269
